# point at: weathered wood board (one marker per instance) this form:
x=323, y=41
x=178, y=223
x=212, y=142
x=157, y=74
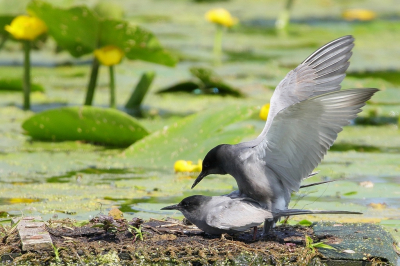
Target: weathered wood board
x=33, y=233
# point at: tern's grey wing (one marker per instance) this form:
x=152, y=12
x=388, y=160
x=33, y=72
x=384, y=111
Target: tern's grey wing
x=237, y=215
x=301, y=134
x=321, y=72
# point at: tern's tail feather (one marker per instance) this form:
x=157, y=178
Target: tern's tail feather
x=290, y=212
x=317, y=183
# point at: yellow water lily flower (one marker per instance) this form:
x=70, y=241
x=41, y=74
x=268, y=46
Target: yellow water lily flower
x=187, y=166
x=109, y=55
x=221, y=16
x=26, y=28
x=359, y=14
x=264, y=111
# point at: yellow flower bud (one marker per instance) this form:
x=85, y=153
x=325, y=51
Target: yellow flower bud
x=187, y=166
x=26, y=28
x=197, y=167
x=109, y=55
x=264, y=111
x=359, y=14
x=221, y=16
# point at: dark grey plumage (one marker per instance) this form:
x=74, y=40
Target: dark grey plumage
x=307, y=111
x=232, y=213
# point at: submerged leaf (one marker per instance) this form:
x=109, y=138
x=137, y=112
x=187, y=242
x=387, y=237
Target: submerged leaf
x=212, y=84
x=208, y=83
x=16, y=85
x=350, y=193
x=184, y=86
x=106, y=126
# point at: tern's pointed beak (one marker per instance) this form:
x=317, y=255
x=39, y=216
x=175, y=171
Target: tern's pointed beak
x=171, y=207
x=198, y=179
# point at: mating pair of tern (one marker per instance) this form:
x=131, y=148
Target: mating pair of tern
x=307, y=111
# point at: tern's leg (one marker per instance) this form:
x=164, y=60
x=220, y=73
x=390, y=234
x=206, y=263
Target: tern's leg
x=254, y=233
x=268, y=225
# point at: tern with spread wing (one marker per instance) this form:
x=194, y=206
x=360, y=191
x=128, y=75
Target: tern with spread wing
x=307, y=112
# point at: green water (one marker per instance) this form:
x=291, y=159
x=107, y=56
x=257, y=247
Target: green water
x=79, y=180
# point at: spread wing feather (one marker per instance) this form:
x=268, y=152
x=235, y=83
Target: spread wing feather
x=321, y=72
x=301, y=134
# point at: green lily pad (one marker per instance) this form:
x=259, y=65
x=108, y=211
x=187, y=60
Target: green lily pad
x=80, y=31
x=16, y=85
x=192, y=137
x=106, y=126
x=136, y=42
x=75, y=29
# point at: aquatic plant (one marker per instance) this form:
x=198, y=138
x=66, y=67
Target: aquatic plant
x=110, y=55
x=222, y=19
x=107, y=223
x=205, y=82
x=26, y=29
x=80, y=31
x=312, y=246
x=136, y=232
x=264, y=111
x=187, y=166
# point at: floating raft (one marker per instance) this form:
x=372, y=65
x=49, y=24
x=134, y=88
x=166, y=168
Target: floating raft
x=171, y=242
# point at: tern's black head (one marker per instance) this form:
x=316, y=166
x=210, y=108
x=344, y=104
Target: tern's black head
x=189, y=204
x=212, y=163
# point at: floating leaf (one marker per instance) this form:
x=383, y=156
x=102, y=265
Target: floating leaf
x=211, y=82
x=16, y=85
x=185, y=86
x=305, y=223
x=192, y=137
x=350, y=193
x=208, y=83
x=87, y=123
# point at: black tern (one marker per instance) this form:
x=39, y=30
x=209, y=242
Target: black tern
x=307, y=112
x=232, y=213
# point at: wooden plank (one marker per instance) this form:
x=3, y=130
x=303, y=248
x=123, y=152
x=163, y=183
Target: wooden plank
x=33, y=233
